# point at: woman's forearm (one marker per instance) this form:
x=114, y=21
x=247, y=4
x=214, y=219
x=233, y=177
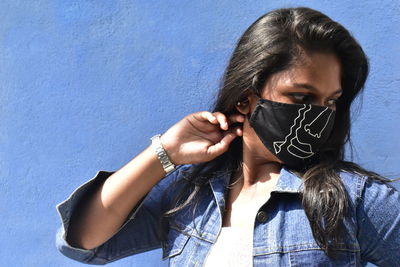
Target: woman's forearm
x=104, y=211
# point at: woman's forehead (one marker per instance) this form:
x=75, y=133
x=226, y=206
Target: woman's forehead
x=320, y=73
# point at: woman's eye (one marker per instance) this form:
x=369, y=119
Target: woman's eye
x=332, y=102
x=301, y=98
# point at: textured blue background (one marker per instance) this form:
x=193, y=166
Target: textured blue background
x=85, y=84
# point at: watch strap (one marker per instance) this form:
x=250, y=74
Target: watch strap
x=162, y=155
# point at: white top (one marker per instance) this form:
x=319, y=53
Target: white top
x=233, y=248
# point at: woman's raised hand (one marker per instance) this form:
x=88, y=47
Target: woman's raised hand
x=201, y=137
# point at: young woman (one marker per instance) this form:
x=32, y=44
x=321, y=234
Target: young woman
x=261, y=180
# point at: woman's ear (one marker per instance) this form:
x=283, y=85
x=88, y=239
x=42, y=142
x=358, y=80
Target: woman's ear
x=243, y=106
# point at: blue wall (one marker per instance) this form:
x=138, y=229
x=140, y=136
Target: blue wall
x=85, y=84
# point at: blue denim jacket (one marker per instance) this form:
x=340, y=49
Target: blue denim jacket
x=282, y=233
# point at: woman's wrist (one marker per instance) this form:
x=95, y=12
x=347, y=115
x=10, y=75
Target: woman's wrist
x=162, y=154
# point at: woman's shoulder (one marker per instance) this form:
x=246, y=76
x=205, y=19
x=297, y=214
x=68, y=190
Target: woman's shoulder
x=362, y=187
x=377, y=216
x=354, y=183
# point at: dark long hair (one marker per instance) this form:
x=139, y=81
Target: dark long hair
x=271, y=44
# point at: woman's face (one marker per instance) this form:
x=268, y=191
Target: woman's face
x=315, y=80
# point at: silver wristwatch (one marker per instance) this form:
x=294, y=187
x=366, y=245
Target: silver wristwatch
x=168, y=166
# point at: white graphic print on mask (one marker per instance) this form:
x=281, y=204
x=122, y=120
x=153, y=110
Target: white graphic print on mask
x=297, y=148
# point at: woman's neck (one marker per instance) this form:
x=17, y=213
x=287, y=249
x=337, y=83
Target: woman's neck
x=257, y=170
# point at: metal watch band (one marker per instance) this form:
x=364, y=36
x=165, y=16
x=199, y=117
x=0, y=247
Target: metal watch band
x=168, y=166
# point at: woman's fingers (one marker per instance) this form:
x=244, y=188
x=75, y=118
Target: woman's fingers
x=220, y=118
x=236, y=118
x=214, y=118
x=204, y=116
x=223, y=122
x=223, y=145
x=238, y=131
x=202, y=136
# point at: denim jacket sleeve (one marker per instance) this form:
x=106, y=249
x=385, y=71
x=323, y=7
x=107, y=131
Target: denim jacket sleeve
x=137, y=234
x=379, y=224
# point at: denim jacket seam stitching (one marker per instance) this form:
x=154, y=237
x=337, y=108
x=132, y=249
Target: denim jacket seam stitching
x=202, y=238
x=309, y=244
x=94, y=253
x=305, y=249
x=359, y=188
x=193, y=234
x=174, y=251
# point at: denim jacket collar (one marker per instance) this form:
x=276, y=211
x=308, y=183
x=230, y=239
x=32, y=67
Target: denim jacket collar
x=288, y=182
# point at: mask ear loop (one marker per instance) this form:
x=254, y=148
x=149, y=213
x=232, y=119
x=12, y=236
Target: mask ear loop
x=251, y=113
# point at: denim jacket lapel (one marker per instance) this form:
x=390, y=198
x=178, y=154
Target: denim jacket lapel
x=287, y=183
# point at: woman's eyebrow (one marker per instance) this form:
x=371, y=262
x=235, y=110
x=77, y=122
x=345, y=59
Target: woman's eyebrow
x=312, y=88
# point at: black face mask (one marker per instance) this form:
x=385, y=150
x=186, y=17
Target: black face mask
x=292, y=132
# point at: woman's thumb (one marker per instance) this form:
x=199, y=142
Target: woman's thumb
x=222, y=146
